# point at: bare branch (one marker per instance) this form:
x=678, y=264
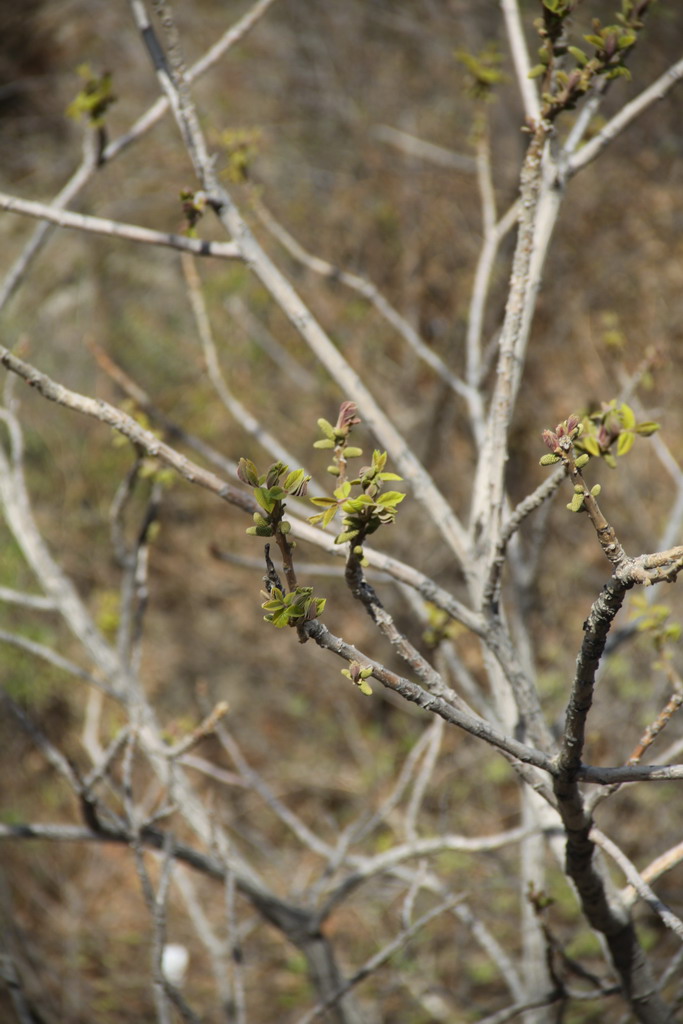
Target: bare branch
x=543, y=492
x=539, y=206
x=423, y=150
x=22, y=264
x=295, y=310
x=517, y=1009
x=630, y=773
x=91, y=161
x=380, y=958
x=369, y=291
x=628, y=113
x=53, y=658
x=115, y=229
x=665, y=862
x=56, y=585
x=252, y=779
x=235, y=407
x=27, y=600
x=422, y=778
x=638, y=883
x=520, y=56
x=429, y=702
x=493, y=234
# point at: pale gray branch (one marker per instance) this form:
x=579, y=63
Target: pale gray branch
x=423, y=150
x=520, y=57
x=628, y=113
x=370, y=292
x=115, y=229
x=27, y=600
x=635, y=879
x=301, y=318
x=380, y=958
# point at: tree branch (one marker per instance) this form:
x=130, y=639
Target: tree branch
x=115, y=229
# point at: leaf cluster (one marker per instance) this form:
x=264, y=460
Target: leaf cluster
x=362, y=513
x=270, y=490
x=611, y=431
x=337, y=437
x=611, y=45
x=653, y=620
x=194, y=205
x=484, y=70
x=359, y=675
x=605, y=434
x=94, y=99
x=292, y=609
x=440, y=626
x=241, y=146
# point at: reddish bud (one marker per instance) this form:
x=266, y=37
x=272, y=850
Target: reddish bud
x=347, y=417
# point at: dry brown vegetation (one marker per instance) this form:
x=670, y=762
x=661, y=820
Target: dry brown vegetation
x=310, y=92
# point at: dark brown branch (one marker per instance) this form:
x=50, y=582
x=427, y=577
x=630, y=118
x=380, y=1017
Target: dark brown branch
x=603, y=909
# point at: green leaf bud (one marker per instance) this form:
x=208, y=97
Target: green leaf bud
x=647, y=428
x=591, y=445
x=263, y=496
x=327, y=429
x=549, y=459
x=577, y=53
x=246, y=471
x=576, y=504
x=582, y=460
x=260, y=531
x=346, y=536
x=625, y=442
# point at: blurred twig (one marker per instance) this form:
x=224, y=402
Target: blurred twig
x=115, y=229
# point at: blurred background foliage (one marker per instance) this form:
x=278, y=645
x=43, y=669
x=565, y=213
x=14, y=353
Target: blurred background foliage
x=308, y=95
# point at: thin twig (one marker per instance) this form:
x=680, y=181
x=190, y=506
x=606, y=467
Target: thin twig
x=430, y=702
x=665, y=862
x=368, y=290
x=53, y=658
x=193, y=473
x=423, y=778
x=423, y=150
x=638, y=883
x=520, y=57
x=380, y=958
x=282, y=292
x=235, y=407
x=41, y=233
x=628, y=113
x=90, y=163
x=54, y=582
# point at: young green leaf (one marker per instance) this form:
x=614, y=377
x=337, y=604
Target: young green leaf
x=263, y=496
x=327, y=429
x=625, y=442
